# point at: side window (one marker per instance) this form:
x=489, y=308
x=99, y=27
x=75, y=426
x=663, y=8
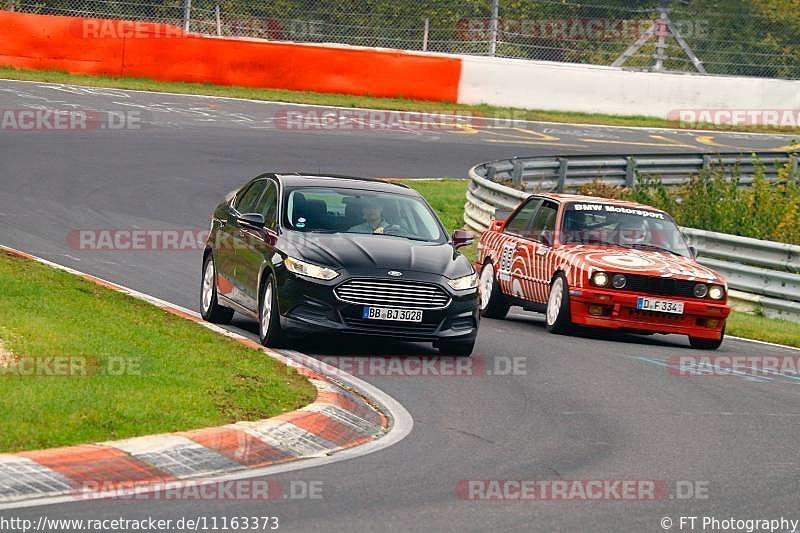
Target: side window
x=544, y=222
x=248, y=200
x=518, y=225
x=268, y=205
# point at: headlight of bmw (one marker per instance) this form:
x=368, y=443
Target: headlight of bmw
x=465, y=282
x=600, y=278
x=716, y=292
x=307, y=269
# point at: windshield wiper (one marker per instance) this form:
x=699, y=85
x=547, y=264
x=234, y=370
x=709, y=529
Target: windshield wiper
x=655, y=248
x=419, y=239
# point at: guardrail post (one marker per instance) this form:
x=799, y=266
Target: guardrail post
x=490, y=172
x=563, y=164
x=706, y=162
x=630, y=171
x=794, y=167
x=516, y=173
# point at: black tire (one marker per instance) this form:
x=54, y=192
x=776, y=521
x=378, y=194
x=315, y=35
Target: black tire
x=456, y=348
x=210, y=309
x=269, y=330
x=558, y=317
x=496, y=305
x=707, y=344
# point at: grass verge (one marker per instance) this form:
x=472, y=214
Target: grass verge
x=761, y=328
x=343, y=100
x=447, y=197
x=156, y=372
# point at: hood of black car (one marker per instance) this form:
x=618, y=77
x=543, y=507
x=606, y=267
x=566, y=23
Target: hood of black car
x=351, y=251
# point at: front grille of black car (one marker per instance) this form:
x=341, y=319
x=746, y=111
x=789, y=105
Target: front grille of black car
x=661, y=286
x=385, y=326
x=391, y=293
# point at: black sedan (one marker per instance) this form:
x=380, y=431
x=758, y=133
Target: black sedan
x=329, y=254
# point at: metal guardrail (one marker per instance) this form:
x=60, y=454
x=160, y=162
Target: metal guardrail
x=762, y=275
x=563, y=173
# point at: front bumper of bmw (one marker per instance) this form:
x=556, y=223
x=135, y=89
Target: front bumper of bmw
x=594, y=307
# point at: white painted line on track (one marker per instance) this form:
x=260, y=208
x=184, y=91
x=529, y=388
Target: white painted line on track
x=449, y=115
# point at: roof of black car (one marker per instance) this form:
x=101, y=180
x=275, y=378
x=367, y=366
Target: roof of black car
x=350, y=182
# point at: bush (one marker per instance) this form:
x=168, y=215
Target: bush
x=715, y=200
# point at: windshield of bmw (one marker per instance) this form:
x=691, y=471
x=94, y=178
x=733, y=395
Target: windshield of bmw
x=334, y=210
x=643, y=229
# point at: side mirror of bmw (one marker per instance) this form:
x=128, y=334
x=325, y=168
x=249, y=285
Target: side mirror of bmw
x=255, y=220
x=462, y=238
x=547, y=238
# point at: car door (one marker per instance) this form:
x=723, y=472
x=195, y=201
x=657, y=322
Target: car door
x=538, y=248
x=237, y=239
x=513, y=269
x=224, y=252
x=259, y=246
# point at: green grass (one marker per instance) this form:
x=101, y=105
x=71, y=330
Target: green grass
x=447, y=197
x=189, y=376
x=764, y=329
x=343, y=100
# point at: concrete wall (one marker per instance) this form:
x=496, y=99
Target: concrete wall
x=608, y=90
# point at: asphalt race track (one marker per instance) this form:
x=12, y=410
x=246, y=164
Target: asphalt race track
x=578, y=408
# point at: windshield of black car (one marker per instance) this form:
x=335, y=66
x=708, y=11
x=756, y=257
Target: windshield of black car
x=342, y=210
x=646, y=229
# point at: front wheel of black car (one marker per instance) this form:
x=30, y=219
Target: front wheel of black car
x=210, y=309
x=269, y=323
x=456, y=348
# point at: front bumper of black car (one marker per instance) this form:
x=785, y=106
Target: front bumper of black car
x=311, y=305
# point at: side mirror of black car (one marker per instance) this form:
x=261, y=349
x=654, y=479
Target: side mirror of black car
x=255, y=220
x=462, y=238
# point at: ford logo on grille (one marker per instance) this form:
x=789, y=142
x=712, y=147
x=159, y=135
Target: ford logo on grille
x=395, y=273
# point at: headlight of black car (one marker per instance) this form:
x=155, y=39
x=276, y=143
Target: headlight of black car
x=308, y=269
x=465, y=282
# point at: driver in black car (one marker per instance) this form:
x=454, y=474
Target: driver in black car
x=374, y=222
